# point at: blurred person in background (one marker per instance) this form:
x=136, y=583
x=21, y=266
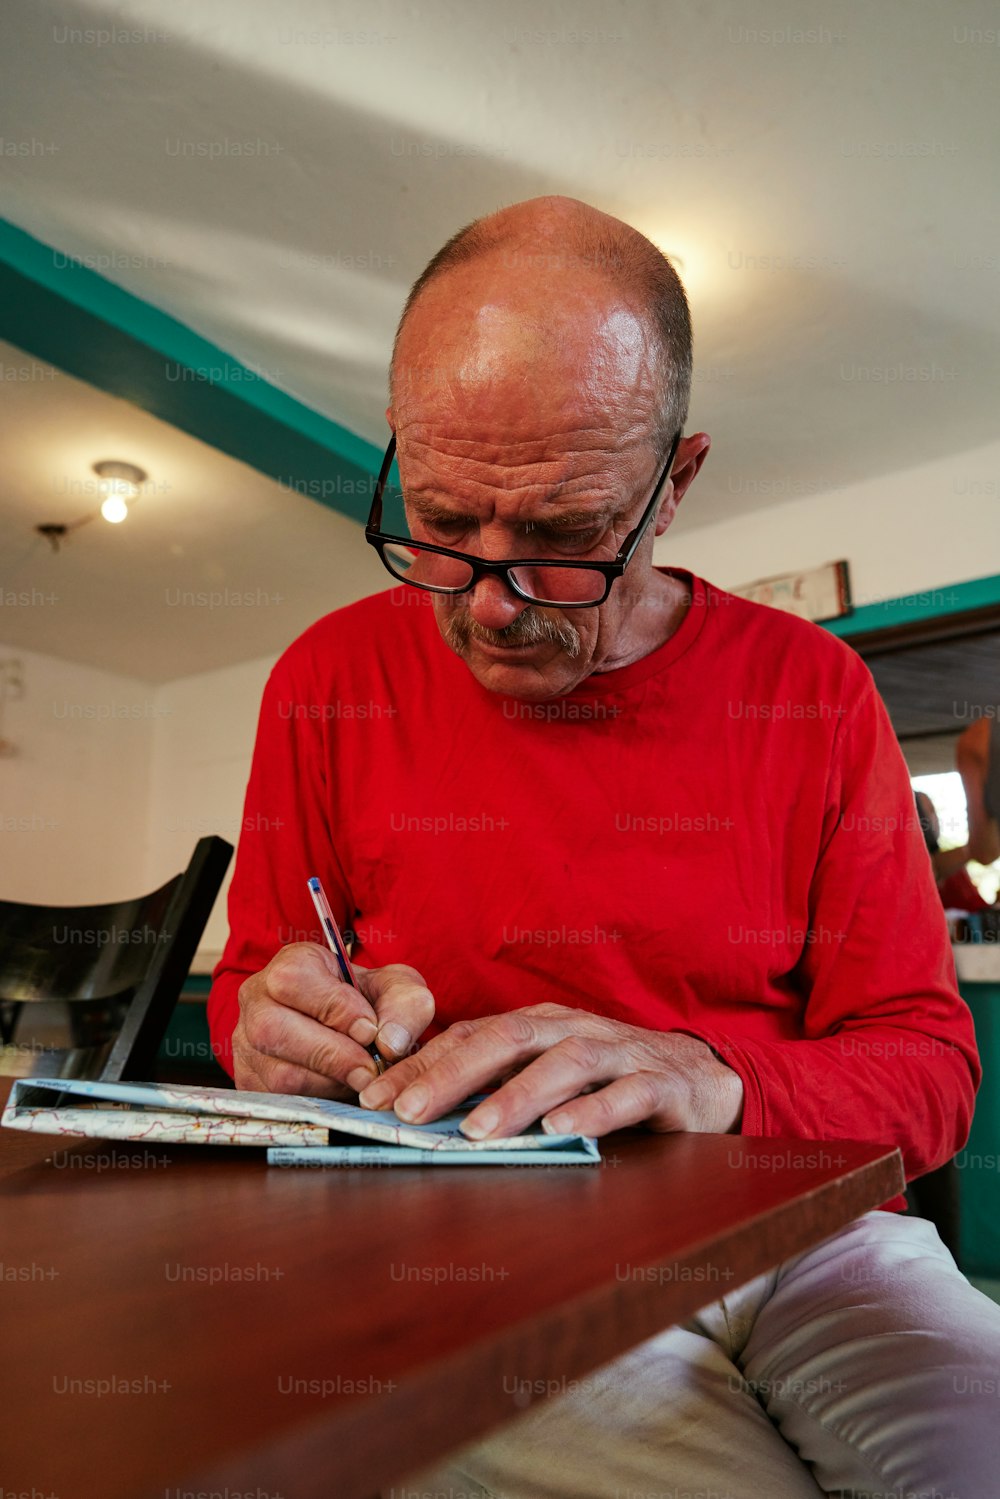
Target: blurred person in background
x=973, y=752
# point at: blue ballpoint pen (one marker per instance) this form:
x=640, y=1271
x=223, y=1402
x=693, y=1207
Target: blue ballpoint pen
x=335, y=942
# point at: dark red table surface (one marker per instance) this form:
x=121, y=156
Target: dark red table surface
x=190, y=1318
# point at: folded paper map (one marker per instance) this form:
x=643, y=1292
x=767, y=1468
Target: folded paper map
x=296, y=1131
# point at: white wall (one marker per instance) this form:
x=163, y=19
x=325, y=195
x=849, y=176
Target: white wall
x=910, y=532
x=74, y=794
x=200, y=764
x=114, y=781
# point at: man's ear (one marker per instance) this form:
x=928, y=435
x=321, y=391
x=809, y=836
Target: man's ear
x=389, y=418
x=691, y=454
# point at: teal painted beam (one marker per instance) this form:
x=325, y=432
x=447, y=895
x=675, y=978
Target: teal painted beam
x=952, y=598
x=60, y=311
x=63, y=312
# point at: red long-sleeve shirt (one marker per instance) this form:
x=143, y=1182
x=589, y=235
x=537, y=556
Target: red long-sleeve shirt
x=719, y=838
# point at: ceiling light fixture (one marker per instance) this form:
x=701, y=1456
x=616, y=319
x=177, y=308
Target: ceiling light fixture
x=119, y=484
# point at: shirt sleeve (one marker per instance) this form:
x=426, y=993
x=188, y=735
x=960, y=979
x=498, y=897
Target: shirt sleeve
x=888, y=1051
x=285, y=838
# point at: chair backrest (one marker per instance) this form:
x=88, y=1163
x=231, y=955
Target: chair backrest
x=124, y=962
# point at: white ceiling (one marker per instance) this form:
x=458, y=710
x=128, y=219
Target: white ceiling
x=827, y=175
x=215, y=564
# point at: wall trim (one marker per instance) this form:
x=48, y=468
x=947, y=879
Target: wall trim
x=932, y=603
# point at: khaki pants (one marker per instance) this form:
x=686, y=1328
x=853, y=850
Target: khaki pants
x=866, y=1368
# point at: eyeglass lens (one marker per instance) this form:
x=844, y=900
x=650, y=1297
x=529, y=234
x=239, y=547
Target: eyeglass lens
x=441, y=574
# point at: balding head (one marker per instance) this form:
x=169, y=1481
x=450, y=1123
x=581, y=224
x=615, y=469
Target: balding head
x=542, y=263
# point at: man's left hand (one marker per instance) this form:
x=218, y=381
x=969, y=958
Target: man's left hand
x=580, y=1073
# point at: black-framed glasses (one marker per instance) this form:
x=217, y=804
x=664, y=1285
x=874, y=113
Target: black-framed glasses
x=538, y=580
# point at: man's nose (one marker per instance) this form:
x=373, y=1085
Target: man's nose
x=494, y=605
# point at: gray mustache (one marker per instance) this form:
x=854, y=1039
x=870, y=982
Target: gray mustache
x=530, y=628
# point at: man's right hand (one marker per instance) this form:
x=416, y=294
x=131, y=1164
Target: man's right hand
x=303, y=1030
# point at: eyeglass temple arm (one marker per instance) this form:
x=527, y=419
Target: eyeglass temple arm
x=632, y=541
x=375, y=518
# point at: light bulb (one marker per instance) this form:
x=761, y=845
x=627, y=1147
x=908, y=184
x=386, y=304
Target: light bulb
x=114, y=509
x=119, y=483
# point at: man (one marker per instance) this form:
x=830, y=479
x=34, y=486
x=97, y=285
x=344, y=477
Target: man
x=640, y=850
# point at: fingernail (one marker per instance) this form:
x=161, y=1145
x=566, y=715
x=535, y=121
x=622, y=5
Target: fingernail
x=395, y=1037
x=558, y=1124
x=363, y=1030
x=412, y=1102
x=372, y=1095
x=480, y=1124
x=359, y=1078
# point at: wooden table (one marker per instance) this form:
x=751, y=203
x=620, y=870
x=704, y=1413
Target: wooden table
x=319, y=1334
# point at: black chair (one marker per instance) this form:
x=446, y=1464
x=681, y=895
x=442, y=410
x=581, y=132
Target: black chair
x=111, y=974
